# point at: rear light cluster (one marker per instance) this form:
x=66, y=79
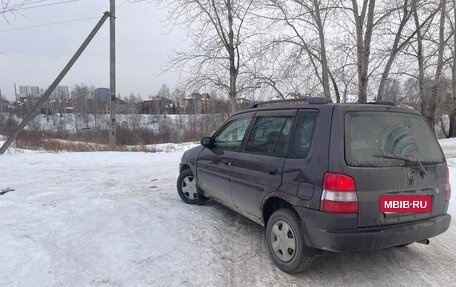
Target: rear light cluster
x=339, y=194
x=447, y=186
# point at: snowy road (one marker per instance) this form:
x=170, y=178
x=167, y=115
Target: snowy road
x=114, y=219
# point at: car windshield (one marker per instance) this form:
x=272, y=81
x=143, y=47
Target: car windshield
x=389, y=139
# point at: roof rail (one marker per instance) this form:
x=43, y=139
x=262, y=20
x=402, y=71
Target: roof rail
x=382, y=103
x=304, y=100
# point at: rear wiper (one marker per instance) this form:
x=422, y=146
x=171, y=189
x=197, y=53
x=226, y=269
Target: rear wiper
x=404, y=158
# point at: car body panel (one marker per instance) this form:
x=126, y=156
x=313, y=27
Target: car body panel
x=253, y=177
x=214, y=173
x=246, y=181
x=372, y=182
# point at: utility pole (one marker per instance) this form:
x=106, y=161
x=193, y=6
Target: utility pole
x=54, y=84
x=112, y=70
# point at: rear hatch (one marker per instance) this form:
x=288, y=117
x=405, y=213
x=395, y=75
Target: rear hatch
x=393, y=153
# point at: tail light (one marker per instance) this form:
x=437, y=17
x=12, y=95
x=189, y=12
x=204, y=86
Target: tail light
x=339, y=194
x=447, y=186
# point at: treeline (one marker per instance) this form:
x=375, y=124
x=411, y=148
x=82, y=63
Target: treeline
x=75, y=132
x=370, y=50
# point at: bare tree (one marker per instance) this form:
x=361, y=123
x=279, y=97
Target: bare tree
x=437, y=89
x=411, y=93
x=9, y=7
x=404, y=16
x=430, y=91
x=304, y=18
x=420, y=58
x=364, y=29
x=82, y=94
x=281, y=68
x=429, y=53
x=331, y=47
x=452, y=130
x=401, y=40
x=364, y=23
x=312, y=23
x=217, y=31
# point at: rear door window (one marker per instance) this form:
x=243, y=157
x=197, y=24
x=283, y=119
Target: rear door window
x=381, y=139
x=270, y=135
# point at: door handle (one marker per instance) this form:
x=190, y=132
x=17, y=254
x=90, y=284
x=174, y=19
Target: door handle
x=226, y=162
x=272, y=171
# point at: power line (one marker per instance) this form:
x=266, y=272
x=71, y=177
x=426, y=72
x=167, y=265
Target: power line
x=37, y=6
x=26, y=3
x=46, y=5
x=34, y=2
x=48, y=24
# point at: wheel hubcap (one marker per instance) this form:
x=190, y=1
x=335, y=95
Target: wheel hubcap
x=283, y=241
x=188, y=187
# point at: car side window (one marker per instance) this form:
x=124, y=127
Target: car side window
x=270, y=135
x=304, y=131
x=232, y=134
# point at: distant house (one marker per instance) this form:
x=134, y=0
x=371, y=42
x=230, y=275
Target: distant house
x=158, y=105
x=197, y=103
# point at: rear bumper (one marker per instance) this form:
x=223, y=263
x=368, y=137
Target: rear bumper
x=327, y=234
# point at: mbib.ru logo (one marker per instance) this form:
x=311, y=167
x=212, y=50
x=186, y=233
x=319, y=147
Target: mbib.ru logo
x=405, y=203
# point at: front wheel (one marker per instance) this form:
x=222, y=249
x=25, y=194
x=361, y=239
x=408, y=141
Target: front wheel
x=187, y=190
x=285, y=241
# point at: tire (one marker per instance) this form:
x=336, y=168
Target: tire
x=187, y=190
x=286, y=243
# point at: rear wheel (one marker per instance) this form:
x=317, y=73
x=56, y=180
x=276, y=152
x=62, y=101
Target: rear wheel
x=187, y=189
x=285, y=241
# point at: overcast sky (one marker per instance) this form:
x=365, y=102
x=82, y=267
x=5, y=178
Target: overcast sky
x=36, y=56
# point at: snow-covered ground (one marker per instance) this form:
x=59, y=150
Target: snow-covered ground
x=449, y=147
x=114, y=219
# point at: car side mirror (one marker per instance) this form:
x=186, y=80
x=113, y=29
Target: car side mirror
x=207, y=141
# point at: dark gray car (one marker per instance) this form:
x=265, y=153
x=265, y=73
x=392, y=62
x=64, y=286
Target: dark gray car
x=334, y=177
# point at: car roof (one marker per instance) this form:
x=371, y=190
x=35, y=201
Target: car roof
x=345, y=107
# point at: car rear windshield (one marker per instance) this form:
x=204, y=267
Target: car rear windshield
x=379, y=139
